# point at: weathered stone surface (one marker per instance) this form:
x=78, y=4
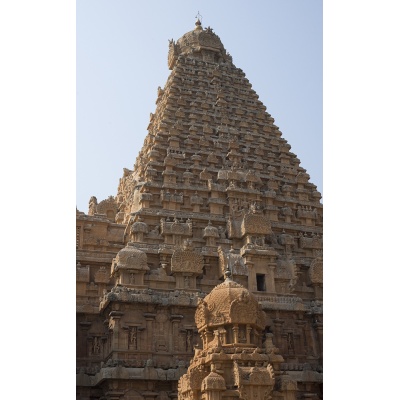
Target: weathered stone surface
x=214, y=193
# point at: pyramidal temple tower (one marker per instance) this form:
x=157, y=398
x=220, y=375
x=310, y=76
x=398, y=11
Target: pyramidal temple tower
x=202, y=277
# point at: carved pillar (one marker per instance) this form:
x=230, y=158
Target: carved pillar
x=318, y=328
x=318, y=291
x=103, y=346
x=204, y=339
x=124, y=339
x=312, y=346
x=270, y=281
x=209, y=336
x=257, y=338
x=297, y=343
x=278, y=332
x=189, y=281
x=252, y=282
x=149, y=328
x=175, y=320
x=248, y=330
x=90, y=340
x=223, y=336
x=207, y=267
x=84, y=350
x=235, y=333
x=115, y=320
x=289, y=389
x=179, y=281
x=301, y=324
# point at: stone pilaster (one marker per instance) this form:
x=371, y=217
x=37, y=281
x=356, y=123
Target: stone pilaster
x=149, y=328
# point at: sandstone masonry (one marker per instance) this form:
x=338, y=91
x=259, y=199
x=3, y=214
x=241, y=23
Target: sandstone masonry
x=215, y=198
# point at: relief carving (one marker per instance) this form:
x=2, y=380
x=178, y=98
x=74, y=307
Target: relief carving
x=314, y=241
x=176, y=227
x=133, y=338
x=108, y=207
x=187, y=260
x=256, y=223
x=232, y=261
x=316, y=271
x=92, y=205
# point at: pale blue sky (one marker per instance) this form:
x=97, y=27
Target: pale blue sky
x=122, y=51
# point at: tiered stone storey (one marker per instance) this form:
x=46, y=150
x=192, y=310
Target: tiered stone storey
x=214, y=192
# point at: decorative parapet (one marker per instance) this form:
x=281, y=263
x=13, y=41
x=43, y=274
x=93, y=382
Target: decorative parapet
x=87, y=308
x=127, y=370
x=313, y=242
x=176, y=227
x=174, y=197
x=107, y=257
x=132, y=295
x=306, y=212
x=281, y=303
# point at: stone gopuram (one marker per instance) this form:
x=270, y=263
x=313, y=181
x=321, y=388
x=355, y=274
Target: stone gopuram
x=202, y=277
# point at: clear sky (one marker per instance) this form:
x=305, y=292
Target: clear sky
x=121, y=59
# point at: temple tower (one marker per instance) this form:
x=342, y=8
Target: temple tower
x=215, y=188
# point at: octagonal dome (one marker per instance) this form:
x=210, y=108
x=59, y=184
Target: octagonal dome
x=139, y=226
x=200, y=38
x=199, y=43
x=210, y=231
x=130, y=258
x=213, y=381
x=229, y=303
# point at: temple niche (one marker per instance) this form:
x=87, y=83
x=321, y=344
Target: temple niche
x=202, y=277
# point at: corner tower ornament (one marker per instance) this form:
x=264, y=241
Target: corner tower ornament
x=208, y=261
